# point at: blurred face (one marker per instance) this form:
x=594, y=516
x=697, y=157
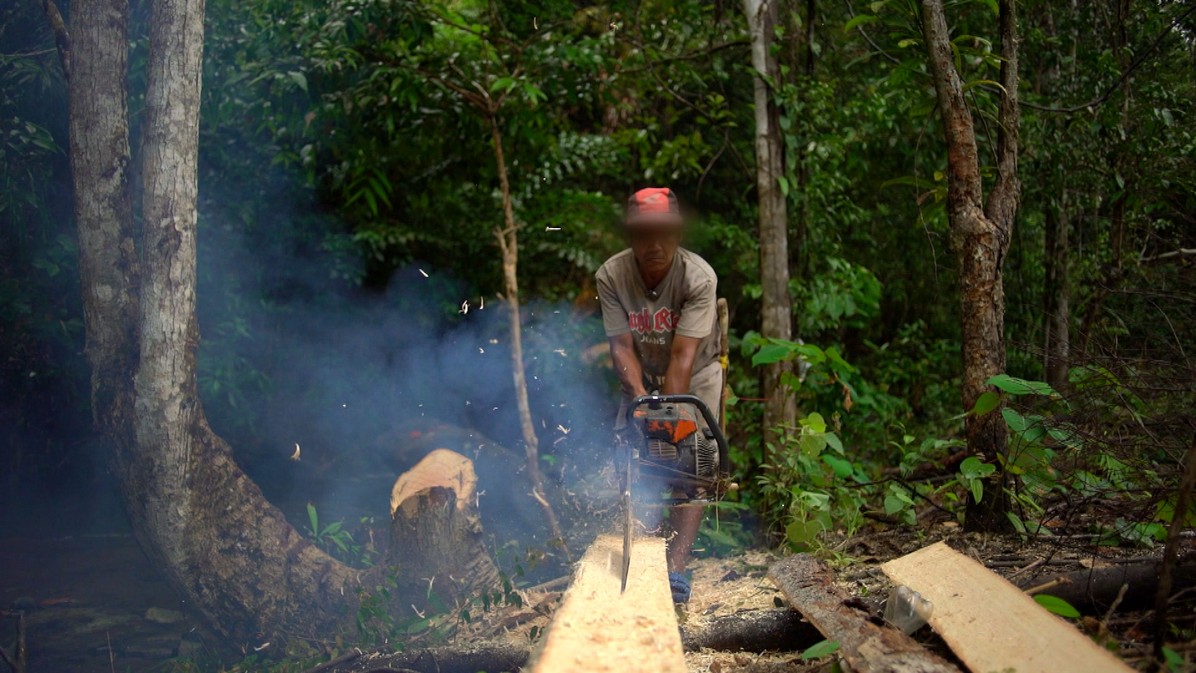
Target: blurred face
x=654, y=248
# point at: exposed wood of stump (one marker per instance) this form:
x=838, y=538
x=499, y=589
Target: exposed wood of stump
x=866, y=647
x=436, y=534
x=991, y=624
x=600, y=629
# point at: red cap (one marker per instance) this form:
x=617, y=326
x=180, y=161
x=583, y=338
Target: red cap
x=653, y=205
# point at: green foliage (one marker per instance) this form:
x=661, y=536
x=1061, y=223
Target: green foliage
x=1056, y=605
x=821, y=649
x=335, y=539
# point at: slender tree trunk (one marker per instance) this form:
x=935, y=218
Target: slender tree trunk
x=508, y=245
x=1056, y=294
x=980, y=234
x=776, y=308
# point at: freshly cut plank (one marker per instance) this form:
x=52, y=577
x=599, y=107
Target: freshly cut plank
x=600, y=629
x=992, y=625
x=865, y=646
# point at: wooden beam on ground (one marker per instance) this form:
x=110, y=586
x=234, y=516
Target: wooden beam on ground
x=598, y=629
x=992, y=625
x=864, y=645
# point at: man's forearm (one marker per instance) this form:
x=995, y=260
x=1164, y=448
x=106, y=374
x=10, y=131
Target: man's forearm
x=677, y=377
x=681, y=365
x=628, y=368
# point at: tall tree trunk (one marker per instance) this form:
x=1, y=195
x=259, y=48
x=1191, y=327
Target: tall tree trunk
x=1056, y=294
x=508, y=245
x=222, y=546
x=776, y=307
x=980, y=234
x=96, y=70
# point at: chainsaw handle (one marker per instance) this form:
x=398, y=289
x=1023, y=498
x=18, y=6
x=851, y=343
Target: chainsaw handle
x=654, y=401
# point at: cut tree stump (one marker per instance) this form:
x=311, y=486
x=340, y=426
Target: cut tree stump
x=599, y=629
x=992, y=625
x=864, y=645
x=436, y=534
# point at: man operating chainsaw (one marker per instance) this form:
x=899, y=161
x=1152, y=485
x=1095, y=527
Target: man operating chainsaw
x=659, y=311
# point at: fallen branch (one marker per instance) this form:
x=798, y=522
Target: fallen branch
x=496, y=657
x=1092, y=591
x=775, y=629
x=766, y=630
x=343, y=659
x=808, y=585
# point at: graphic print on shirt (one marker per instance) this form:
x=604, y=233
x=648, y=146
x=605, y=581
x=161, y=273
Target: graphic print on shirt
x=653, y=327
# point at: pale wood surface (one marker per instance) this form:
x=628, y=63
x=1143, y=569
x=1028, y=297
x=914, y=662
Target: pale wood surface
x=599, y=629
x=441, y=468
x=864, y=646
x=992, y=625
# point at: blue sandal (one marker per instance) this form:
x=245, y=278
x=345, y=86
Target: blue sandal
x=679, y=584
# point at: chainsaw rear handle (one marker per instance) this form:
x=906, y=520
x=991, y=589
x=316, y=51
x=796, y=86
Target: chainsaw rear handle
x=654, y=401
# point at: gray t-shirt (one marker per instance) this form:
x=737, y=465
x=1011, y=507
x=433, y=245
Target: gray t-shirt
x=683, y=303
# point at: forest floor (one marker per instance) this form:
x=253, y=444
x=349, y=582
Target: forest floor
x=96, y=603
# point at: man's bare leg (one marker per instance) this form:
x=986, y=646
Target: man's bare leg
x=684, y=520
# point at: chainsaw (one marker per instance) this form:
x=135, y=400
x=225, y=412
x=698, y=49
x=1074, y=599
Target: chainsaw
x=675, y=452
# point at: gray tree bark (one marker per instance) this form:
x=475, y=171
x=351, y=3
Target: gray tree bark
x=980, y=235
x=222, y=546
x=776, y=306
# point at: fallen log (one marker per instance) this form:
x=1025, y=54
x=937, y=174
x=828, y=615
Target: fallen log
x=767, y=630
x=864, y=645
x=1092, y=591
x=599, y=628
x=436, y=533
x=775, y=629
x=491, y=656
x=992, y=625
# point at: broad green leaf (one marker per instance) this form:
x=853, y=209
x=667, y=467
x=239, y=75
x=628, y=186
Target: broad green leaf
x=986, y=403
x=800, y=534
x=1016, y=386
x=859, y=20
x=313, y=517
x=974, y=468
x=834, y=442
x=502, y=84
x=811, y=445
x=814, y=421
x=771, y=353
x=977, y=488
x=893, y=504
x=299, y=79
x=820, y=649
x=1057, y=606
x=1015, y=420
x=841, y=466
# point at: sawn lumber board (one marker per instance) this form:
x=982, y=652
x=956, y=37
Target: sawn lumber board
x=992, y=625
x=598, y=629
x=864, y=646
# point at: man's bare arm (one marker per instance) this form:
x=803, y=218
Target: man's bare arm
x=627, y=364
x=681, y=364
